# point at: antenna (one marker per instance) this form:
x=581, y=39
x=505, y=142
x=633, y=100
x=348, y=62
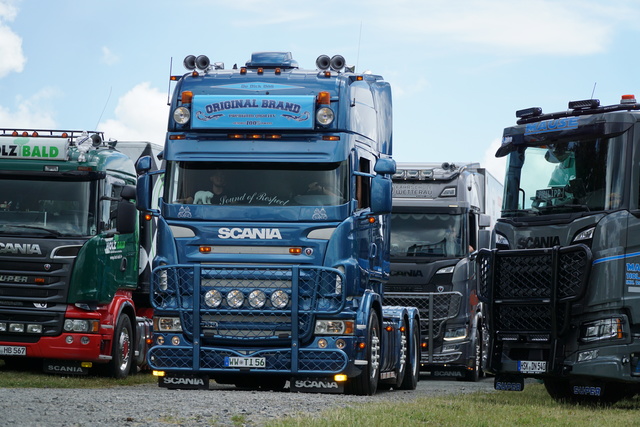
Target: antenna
x=358, y=55
x=104, y=108
x=594, y=89
x=169, y=88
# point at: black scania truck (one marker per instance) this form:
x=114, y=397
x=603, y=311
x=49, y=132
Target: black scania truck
x=562, y=282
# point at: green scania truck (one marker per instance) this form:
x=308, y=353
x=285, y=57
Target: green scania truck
x=74, y=278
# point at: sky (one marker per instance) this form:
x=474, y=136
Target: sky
x=459, y=69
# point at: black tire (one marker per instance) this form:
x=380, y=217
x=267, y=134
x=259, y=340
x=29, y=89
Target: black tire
x=475, y=374
x=366, y=384
x=404, y=356
x=412, y=371
x=561, y=390
x=122, y=349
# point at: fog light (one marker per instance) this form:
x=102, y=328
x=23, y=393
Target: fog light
x=584, y=356
x=340, y=343
x=340, y=378
x=85, y=340
x=16, y=327
x=322, y=343
x=34, y=329
x=160, y=340
x=175, y=340
x=69, y=339
x=3, y=327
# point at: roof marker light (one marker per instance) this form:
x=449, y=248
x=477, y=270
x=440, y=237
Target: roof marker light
x=324, y=98
x=186, y=97
x=628, y=99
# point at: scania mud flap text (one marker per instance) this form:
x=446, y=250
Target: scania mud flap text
x=315, y=385
x=184, y=381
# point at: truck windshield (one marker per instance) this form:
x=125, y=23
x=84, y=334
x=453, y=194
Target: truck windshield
x=428, y=235
x=50, y=208
x=257, y=184
x=574, y=176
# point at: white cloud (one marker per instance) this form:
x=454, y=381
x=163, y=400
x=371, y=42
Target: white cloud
x=141, y=115
x=35, y=112
x=532, y=27
x=13, y=59
x=108, y=57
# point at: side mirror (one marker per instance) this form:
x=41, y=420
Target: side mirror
x=484, y=239
x=128, y=192
x=381, y=195
x=126, y=217
x=143, y=165
x=143, y=192
x=484, y=220
x=385, y=166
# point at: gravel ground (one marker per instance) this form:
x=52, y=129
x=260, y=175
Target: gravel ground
x=149, y=405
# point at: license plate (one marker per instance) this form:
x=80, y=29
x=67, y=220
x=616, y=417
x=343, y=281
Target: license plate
x=245, y=362
x=532, y=366
x=10, y=350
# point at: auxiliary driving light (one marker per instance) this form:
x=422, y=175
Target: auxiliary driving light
x=235, y=299
x=279, y=299
x=257, y=299
x=213, y=298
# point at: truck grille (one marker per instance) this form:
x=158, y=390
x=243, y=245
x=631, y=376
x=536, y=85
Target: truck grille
x=307, y=290
x=528, y=290
x=435, y=307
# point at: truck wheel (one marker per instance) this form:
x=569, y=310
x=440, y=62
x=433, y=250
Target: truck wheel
x=562, y=390
x=412, y=370
x=474, y=374
x=366, y=384
x=122, y=349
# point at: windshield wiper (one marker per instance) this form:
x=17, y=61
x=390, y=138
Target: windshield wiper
x=568, y=207
x=34, y=227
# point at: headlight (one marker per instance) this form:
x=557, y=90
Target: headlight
x=279, y=299
x=257, y=299
x=235, y=299
x=167, y=324
x=502, y=242
x=334, y=327
x=81, y=325
x=601, y=330
x=213, y=298
x=181, y=115
x=455, y=334
x=446, y=270
x=324, y=116
x=584, y=235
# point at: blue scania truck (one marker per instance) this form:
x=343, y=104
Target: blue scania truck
x=273, y=231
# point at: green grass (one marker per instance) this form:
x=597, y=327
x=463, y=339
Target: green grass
x=32, y=376
x=532, y=407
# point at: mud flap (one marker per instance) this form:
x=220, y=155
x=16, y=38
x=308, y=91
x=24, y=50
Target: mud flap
x=315, y=385
x=175, y=380
x=508, y=382
x=67, y=367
